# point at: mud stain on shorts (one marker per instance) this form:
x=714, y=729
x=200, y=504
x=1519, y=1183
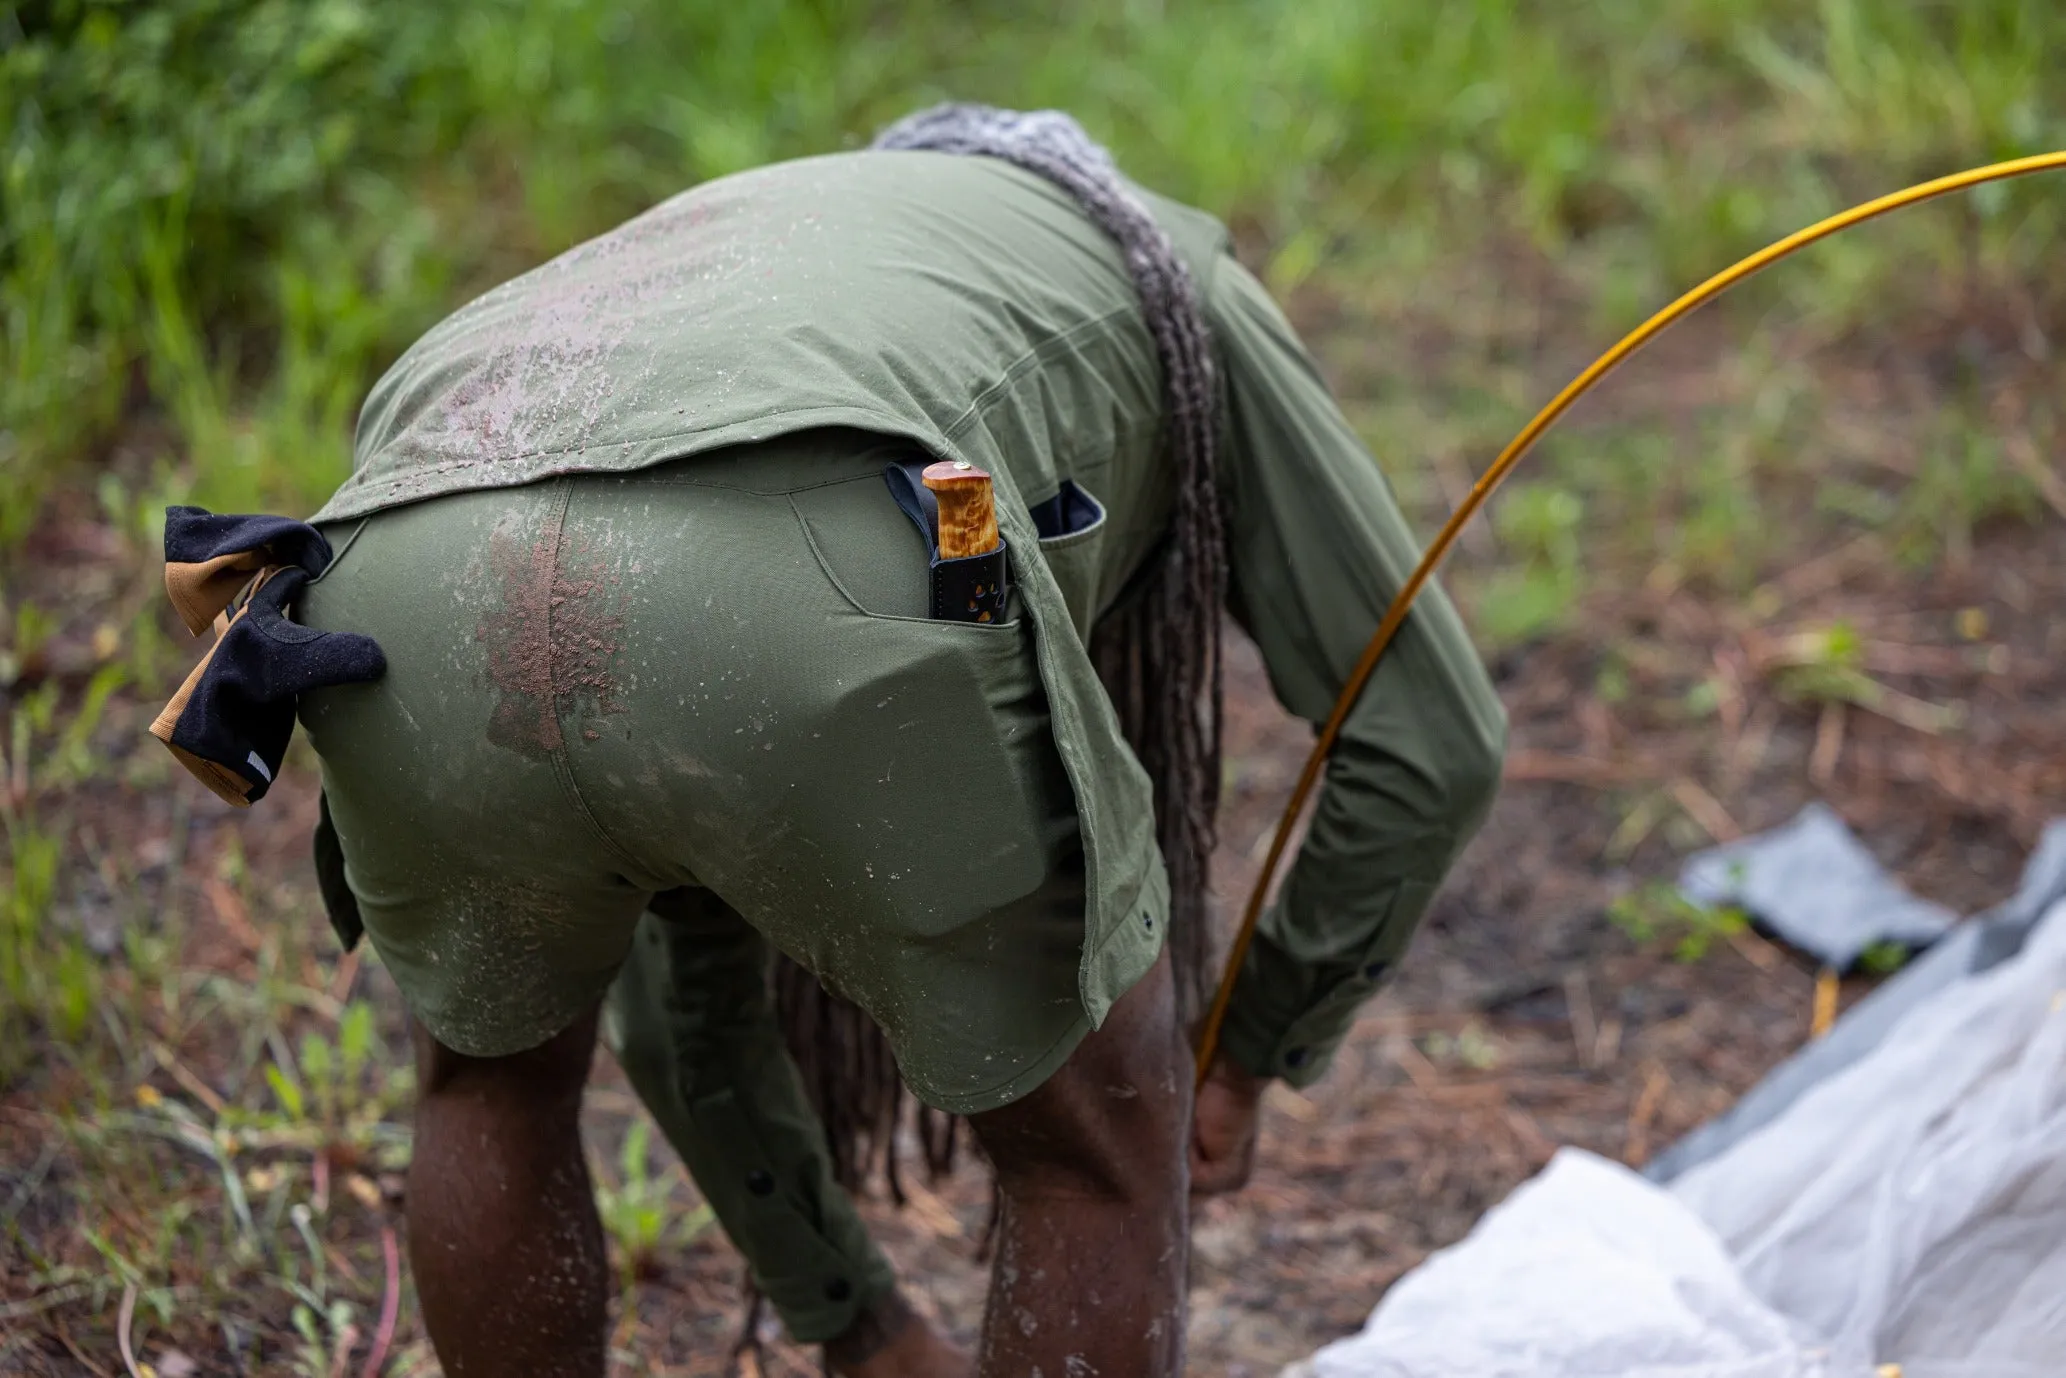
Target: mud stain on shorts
x=552, y=641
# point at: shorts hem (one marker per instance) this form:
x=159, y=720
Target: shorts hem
x=1023, y=1082
x=455, y=1035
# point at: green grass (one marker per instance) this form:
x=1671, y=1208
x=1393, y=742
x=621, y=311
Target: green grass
x=1658, y=913
x=220, y=219
x=230, y=213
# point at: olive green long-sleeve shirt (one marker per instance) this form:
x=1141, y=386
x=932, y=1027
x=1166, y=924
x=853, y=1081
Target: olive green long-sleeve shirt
x=1318, y=548
x=973, y=310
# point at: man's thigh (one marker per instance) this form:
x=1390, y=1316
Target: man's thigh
x=1093, y=1246
x=1111, y=1120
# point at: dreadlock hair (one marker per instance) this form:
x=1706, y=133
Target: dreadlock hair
x=851, y=1078
x=1157, y=652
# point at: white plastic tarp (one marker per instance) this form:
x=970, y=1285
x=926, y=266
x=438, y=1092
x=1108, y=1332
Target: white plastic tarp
x=1909, y=1209
x=1587, y=1270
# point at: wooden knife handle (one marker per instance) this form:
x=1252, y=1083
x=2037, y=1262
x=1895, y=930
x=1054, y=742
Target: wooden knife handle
x=968, y=509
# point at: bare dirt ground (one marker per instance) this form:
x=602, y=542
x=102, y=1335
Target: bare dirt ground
x=1525, y=1017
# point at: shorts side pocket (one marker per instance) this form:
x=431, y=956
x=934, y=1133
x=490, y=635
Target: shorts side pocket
x=1075, y=549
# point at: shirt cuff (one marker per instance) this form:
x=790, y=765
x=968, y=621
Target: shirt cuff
x=1290, y=1014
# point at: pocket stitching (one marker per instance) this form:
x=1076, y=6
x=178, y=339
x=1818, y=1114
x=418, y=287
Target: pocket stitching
x=339, y=552
x=839, y=585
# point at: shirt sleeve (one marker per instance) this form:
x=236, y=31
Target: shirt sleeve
x=1317, y=547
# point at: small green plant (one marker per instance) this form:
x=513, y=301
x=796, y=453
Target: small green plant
x=32, y=628
x=48, y=979
x=1471, y=1045
x=1824, y=666
x=1539, y=523
x=1964, y=478
x=1662, y=913
x=638, y=1210
x=334, y=1070
x=1827, y=666
x=323, y=1322
x=1883, y=959
x=1611, y=680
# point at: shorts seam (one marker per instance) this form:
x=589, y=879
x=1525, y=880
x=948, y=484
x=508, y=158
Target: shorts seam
x=563, y=771
x=1158, y=903
x=562, y=762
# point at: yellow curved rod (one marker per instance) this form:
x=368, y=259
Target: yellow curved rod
x=1208, y=1036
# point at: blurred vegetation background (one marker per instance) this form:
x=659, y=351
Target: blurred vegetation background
x=228, y=215
x=220, y=219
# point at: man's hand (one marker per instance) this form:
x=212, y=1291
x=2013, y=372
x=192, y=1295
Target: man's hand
x=890, y=1340
x=1223, y=1128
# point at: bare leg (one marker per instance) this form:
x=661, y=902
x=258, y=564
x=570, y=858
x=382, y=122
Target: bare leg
x=504, y=1239
x=1091, y=1261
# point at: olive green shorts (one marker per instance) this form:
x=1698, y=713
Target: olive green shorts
x=711, y=674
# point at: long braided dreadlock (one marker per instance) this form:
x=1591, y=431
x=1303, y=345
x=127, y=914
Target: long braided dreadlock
x=1157, y=653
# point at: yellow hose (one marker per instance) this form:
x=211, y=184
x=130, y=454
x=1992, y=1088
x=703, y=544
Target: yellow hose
x=1208, y=1036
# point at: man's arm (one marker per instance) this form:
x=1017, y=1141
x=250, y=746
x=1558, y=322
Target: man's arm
x=1317, y=548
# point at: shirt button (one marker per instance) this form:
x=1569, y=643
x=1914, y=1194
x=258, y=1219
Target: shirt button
x=839, y=1289
x=1373, y=971
x=1296, y=1057
x=760, y=1182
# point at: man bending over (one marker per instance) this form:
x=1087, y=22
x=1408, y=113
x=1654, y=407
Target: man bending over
x=697, y=650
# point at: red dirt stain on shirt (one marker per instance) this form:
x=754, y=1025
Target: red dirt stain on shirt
x=551, y=642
